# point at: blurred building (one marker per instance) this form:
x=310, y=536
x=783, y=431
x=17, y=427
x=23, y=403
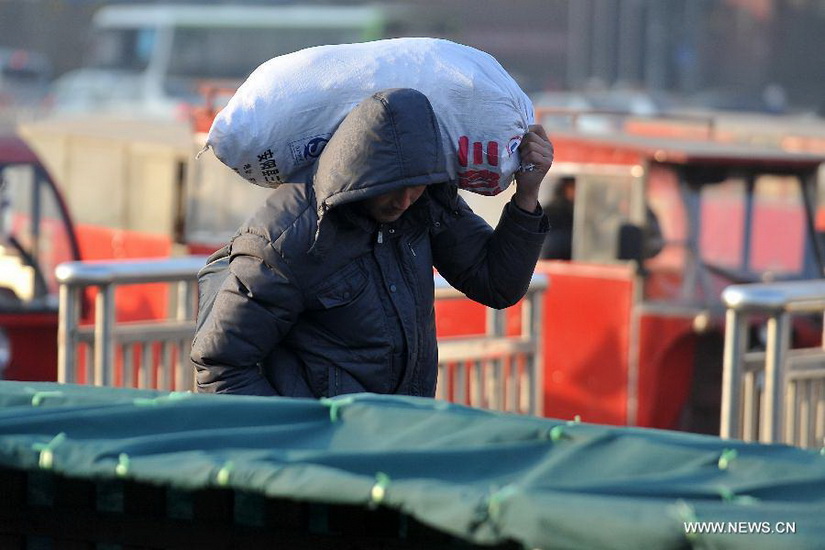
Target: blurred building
x=736, y=53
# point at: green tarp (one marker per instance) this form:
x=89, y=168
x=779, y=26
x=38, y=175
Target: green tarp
x=480, y=476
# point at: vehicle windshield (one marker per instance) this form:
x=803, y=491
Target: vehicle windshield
x=232, y=53
x=754, y=234
x=734, y=228
x=123, y=49
x=604, y=202
x=35, y=236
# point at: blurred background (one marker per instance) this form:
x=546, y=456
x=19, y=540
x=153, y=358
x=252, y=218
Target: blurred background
x=639, y=55
x=115, y=97
x=110, y=101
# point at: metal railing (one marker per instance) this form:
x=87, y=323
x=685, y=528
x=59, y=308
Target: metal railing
x=495, y=370
x=492, y=370
x=776, y=395
x=145, y=354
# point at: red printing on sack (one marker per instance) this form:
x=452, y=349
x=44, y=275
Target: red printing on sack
x=478, y=179
x=478, y=152
x=492, y=153
x=463, y=149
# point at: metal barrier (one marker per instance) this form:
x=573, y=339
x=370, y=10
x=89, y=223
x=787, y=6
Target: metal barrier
x=494, y=370
x=158, y=349
x=491, y=370
x=776, y=395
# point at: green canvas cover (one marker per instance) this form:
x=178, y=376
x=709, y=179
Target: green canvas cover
x=481, y=476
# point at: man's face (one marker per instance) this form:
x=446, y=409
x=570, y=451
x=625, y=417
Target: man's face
x=390, y=206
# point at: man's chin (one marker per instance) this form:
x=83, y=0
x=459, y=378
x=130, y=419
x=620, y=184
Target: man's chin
x=389, y=218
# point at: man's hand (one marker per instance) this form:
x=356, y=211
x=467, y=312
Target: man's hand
x=536, y=154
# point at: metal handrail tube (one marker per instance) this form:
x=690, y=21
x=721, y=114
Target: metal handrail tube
x=443, y=290
x=121, y=272
x=791, y=296
x=463, y=348
x=131, y=332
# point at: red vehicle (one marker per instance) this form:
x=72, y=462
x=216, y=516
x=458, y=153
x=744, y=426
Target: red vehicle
x=36, y=234
x=639, y=341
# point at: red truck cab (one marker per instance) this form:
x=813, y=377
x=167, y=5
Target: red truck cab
x=636, y=338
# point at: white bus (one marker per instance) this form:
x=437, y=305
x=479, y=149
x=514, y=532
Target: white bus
x=148, y=60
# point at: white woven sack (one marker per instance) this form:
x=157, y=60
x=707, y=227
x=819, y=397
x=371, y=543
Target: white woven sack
x=277, y=123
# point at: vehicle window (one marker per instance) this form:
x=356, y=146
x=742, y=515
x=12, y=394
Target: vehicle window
x=778, y=226
x=723, y=228
x=233, y=53
x=772, y=240
x=666, y=270
x=666, y=201
x=603, y=204
x=124, y=49
x=18, y=186
x=722, y=211
x=33, y=227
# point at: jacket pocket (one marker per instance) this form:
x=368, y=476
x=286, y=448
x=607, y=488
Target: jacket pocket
x=345, y=287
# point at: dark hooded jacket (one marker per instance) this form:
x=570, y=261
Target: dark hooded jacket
x=311, y=298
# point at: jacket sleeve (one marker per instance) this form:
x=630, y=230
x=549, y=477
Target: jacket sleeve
x=243, y=317
x=491, y=266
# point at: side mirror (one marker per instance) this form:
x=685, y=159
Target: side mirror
x=631, y=242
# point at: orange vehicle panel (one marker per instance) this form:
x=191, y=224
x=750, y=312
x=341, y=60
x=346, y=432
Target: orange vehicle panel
x=571, y=150
x=134, y=302
x=586, y=338
x=666, y=352
x=459, y=317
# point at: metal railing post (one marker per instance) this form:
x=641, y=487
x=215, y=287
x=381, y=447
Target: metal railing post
x=184, y=377
x=103, y=345
x=730, y=425
x=494, y=368
x=68, y=317
x=535, y=367
x=773, y=405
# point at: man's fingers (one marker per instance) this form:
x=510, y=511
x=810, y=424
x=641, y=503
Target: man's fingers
x=538, y=129
x=536, y=149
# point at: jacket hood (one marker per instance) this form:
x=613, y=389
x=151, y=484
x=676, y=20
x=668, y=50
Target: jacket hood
x=389, y=140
